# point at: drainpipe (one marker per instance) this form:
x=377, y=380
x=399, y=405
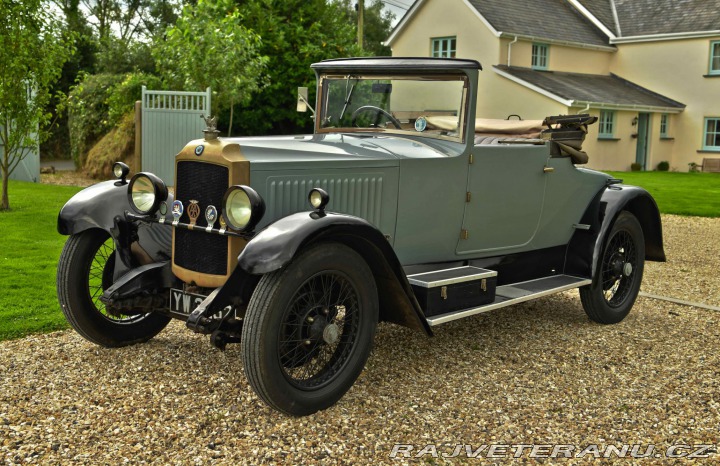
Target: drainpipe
x=584, y=109
x=510, y=50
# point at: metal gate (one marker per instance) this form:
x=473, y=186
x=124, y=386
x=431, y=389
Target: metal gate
x=169, y=120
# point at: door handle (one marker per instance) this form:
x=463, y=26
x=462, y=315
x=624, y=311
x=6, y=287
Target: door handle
x=548, y=169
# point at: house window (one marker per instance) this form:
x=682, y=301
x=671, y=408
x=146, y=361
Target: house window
x=444, y=47
x=539, y=56
x=607, y=124
x=715, y=57
x=664, y=125
x=712, y=134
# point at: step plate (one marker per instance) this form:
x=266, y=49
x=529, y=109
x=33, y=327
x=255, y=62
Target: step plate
x=452, y=276
x=508, y=295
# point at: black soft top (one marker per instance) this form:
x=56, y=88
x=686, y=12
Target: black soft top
x=398, y=64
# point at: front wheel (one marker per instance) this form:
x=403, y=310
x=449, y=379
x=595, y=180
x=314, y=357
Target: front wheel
x=85, y=270
x=617, y=281
x=309, y=329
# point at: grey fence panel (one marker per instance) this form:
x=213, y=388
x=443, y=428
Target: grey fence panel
x=28, y=169
x=169, y=120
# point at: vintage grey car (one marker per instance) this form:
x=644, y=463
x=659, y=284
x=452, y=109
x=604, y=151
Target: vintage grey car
x=401, y=207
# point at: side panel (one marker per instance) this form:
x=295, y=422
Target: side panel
x=430, y=209
x=568, y=194
x=368, y=193
x=507, y=186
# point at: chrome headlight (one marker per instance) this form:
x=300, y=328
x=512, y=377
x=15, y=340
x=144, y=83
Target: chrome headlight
x=145, y=193
x=243, y=208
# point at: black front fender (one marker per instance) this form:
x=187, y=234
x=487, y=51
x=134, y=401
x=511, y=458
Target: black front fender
x=276, y=245
x=103, y=206
x=93, y=207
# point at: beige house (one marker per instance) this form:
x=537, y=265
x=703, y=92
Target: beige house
x=649, y=69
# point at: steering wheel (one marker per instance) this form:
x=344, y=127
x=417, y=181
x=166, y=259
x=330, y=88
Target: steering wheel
x=379, y=111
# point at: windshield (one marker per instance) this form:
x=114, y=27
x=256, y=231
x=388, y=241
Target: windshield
x=429, y=105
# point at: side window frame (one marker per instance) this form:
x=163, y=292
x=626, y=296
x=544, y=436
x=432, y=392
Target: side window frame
x=443, y=47
x=708, y=135
x=714, y=62
x=540, y=57
x=606, y=124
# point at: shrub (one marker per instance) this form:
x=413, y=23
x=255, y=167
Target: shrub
x=98, y=103
x=635, y=167
x=118, y=145
x=123, y=96
x=88, y=112
x=663, y=166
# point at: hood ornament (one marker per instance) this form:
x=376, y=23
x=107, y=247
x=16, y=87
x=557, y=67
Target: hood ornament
x=210, y=130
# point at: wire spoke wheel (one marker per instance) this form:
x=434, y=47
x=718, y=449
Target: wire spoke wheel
x=617, y=281
x=319, y=330
x=100, y=278
x=618, y=264
x=85, y=271
x=309, y=329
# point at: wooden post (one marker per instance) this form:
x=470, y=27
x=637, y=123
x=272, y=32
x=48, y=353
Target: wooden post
x=138, y=136
x=360, y=13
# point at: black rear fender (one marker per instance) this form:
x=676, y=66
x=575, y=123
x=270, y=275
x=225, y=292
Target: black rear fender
x=586, y=246
x=275, y=246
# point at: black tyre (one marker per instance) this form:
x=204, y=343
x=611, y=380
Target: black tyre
x=309, y=329
x=85, y=270
x=617, y=281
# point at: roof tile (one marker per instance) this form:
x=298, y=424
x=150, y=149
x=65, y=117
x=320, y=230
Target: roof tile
x=606, y=89
x=544, y=19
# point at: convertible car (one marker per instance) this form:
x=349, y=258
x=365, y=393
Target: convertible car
x=400, y=207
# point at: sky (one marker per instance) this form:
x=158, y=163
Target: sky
x=397, y=7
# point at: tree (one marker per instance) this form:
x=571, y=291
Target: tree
x=295, y=34
x=82, y=61
x=33, y=50
x=210, y=47
x=377, y=25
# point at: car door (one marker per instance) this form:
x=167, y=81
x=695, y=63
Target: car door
x=506, y=192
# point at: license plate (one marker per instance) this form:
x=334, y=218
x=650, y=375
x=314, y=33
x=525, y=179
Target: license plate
x=183, y=302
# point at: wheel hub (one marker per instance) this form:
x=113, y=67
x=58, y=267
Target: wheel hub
x=316, y=327
x=627, y=269
x=331, y=334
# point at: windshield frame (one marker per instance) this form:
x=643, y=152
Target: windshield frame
x=322, y=96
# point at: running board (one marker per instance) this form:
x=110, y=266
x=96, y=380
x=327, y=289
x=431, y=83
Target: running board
x=515, y=293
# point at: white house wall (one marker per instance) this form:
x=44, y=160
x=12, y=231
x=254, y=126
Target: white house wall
x=676, y=69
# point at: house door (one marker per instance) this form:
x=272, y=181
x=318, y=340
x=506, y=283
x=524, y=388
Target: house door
x=642, y=139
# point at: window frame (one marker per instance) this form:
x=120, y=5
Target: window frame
x=706, y=133
x=664, y=125
x=714, y=54
x=539, y=51
x=447, y=47
x=605, y=123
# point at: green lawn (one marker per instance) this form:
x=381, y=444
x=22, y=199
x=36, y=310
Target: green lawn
x=695, y=194
x=29, y=250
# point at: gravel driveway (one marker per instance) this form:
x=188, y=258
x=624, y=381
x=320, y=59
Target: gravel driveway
x=537, y=373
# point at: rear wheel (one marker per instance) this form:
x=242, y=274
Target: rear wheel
x=85, y=270
x=617, y=281
x=309, y=329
